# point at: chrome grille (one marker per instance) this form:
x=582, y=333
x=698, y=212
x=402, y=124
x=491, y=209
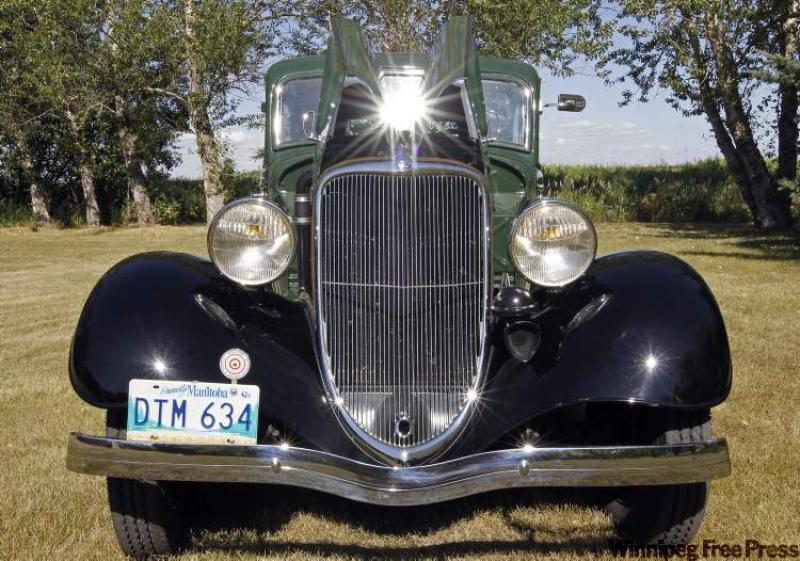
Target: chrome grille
x=402, y=277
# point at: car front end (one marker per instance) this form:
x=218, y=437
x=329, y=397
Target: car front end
x=393, y=333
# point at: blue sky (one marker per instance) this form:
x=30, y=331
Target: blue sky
x=603, y=133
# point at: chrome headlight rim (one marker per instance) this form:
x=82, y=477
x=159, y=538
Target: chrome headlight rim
x=260, y=200
x=545, y=202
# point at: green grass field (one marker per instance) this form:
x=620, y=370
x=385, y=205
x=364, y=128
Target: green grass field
x=49, y=513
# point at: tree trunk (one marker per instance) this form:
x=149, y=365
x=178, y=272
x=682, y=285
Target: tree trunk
x=788, y=133
x=209, y=161
x=89, y=198
x=732, y=159
x=787, y=115
x=141, y=207
x=41, y=217
x=773, y=207
x=86, y=168
x=207, y=146
x=708, y=103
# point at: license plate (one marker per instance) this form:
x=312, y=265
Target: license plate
x=192, y=412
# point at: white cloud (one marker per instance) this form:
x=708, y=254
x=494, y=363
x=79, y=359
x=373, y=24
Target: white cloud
x=589, y=141
x=582, y=124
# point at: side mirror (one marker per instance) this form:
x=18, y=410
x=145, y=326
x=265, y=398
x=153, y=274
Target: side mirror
x=571, y=102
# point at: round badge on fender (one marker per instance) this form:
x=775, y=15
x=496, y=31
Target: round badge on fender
x=234, y=364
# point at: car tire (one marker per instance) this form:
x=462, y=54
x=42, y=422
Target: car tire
x=145, y=514
x=664, y=514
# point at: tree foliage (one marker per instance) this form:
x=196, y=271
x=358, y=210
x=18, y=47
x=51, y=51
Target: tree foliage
x=133, y=58
x=554, y=34
x=80, y=70
x=549, y=33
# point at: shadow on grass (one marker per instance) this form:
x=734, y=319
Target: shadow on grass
x=737, y=241
x=268, y=509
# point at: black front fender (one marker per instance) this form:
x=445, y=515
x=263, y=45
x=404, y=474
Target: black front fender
x=642, y=327
x=170, y=316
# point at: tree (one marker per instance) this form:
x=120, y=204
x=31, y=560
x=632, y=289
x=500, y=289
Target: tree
x=391, y=25
x=221, y=49
x=553, y=33
x=61, y=39
x=16, y=129
x=708, y=55
x=94, y=65
x=18, y=109
x=783, y=69
x=133, y=59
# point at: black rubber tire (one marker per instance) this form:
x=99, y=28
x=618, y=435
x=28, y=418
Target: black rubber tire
x=145, y=514
x=665, y=514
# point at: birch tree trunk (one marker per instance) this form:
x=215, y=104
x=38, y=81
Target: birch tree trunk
x=208, y=150
x=87, y=185
x=732, y=158
x=773, y=207
x=787, y=115
x=141, y=207
x=207, y=146
x=41, y=217
x=86, y=168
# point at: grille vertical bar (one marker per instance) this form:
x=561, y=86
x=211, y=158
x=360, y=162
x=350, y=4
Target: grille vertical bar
x=402, y=272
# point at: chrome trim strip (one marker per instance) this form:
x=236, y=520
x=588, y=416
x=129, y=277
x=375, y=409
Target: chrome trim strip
x=429, y=449
x=602, y=466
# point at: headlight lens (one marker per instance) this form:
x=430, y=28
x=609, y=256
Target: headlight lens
x=552, y=243
x=251, y=241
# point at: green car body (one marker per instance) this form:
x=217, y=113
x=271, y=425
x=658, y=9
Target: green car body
x=512, y=168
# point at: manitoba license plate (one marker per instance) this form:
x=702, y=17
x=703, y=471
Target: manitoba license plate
x=192, y=412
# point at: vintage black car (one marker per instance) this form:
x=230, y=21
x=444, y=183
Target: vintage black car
x=400, y=318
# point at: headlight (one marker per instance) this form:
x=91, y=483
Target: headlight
x=251, y=241
x=552, y=243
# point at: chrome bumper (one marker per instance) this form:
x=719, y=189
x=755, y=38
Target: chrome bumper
x=599, y=466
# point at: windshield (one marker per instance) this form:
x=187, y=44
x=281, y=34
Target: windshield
x=506, y=110
x=295, y=99
x=506, y=102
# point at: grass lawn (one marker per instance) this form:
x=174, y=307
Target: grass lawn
x=49, y=513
